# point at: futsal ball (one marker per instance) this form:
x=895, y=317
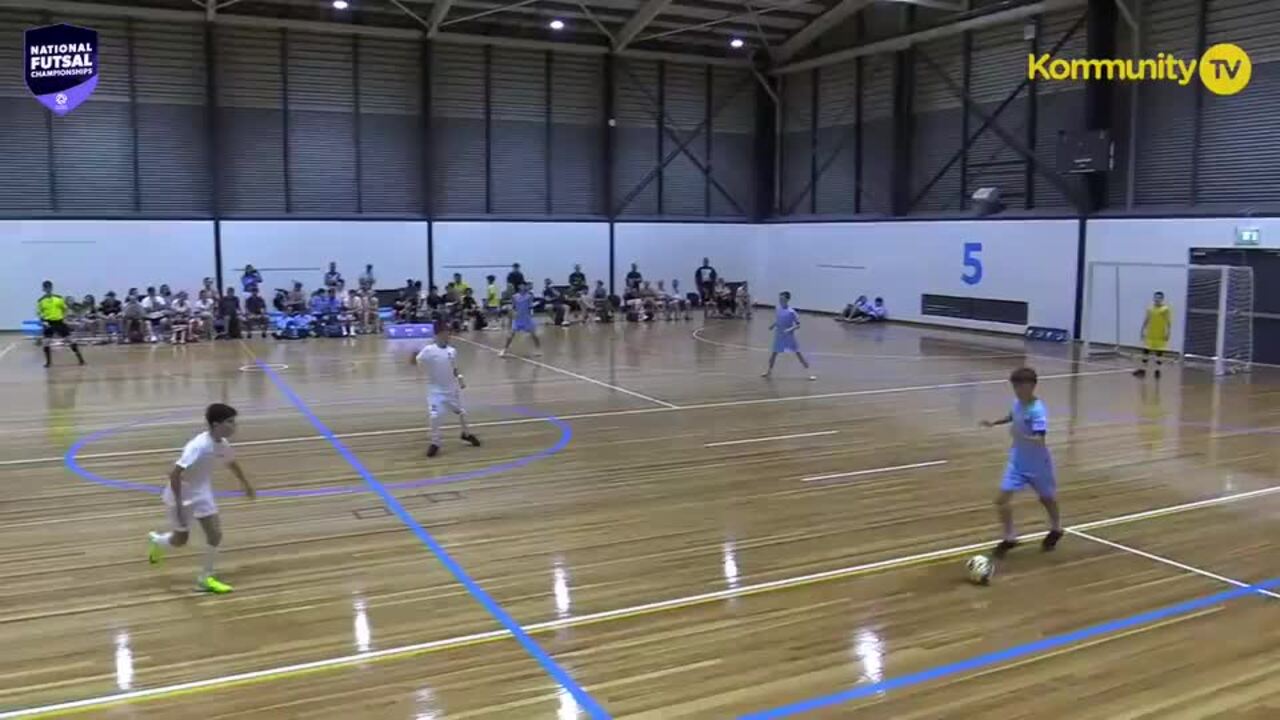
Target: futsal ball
x=980, y=569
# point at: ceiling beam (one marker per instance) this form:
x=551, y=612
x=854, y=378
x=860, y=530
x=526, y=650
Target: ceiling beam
x=805, y=37
x=644, y=15
x=902, y=42
x=947, y=5
x=82, y=9
x=438, y=12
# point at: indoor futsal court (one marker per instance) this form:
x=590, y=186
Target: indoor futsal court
x=680, y=537
x=639, y=359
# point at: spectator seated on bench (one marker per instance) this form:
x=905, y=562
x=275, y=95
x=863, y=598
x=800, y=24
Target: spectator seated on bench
x=854, y=310
x=862, y=311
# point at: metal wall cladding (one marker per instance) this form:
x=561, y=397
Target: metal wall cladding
x=459, y=167
x=577, y=135
x=636, y=136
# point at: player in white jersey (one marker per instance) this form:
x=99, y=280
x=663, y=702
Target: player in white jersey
x=190, y=493
x=444, y=387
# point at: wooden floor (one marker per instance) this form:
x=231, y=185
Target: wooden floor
x=639, y=509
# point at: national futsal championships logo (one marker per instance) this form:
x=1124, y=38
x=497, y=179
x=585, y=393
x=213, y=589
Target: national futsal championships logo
x=60, y=64
x=1225, y=69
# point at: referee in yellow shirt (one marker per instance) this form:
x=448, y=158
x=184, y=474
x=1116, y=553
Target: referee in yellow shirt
x=1156, y=327
x=52, y=310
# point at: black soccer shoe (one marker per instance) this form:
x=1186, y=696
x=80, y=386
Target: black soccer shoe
x=1003, y=548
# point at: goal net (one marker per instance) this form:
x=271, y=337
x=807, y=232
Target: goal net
x=1212, y=311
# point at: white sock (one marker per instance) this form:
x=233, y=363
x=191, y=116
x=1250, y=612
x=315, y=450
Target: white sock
x=162, y=539
x=210, y=557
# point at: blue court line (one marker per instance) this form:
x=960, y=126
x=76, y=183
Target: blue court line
x=1012, y=653
x=585, y=701
x=71, y=459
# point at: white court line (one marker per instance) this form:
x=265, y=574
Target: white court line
x=574, y=375
x=916, y=358
x=627, y=612
x=874, y=471
x=768, y=439
x=580, y=416
x=7, y=348
x=1172, y=563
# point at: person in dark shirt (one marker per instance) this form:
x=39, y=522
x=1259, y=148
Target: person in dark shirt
x=229, y=314
x=297, y=300
x=110, y=307
x=600, y=303
x=577, y=280
x=550, y=295
x=333, y=278
x=578, y=299
x=634, y=278
x=255, y=312
x=251, y=278
x=704, y=278
x=471, y=310
x=515, y=278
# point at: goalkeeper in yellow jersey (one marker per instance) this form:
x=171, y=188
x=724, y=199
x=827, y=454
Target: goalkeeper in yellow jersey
x=1156, y=327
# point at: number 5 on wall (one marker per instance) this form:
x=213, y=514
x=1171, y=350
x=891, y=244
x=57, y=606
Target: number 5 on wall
x=973, y=263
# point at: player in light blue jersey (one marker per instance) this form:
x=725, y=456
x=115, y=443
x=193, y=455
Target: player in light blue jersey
x=522, y=302
x=1030, y=464
x=784, y=327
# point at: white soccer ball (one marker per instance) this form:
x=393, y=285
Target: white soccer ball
x=980, y=569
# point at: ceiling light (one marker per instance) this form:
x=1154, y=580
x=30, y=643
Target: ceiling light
x=340, y=4
x=556, y=24
x=736, y=43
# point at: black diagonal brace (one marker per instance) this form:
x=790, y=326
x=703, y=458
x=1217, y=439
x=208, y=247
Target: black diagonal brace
x=1008, y=138
x=988, y=122
x=682, y=144
x=854, y=133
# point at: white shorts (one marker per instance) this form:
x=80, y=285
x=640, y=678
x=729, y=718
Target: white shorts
x=201, y=507
x=439, y=403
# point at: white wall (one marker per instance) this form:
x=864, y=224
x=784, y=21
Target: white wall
x=1166, y=240
x=826, y=266
x=665, y=251
x=543, y=249
x=289, y=250
x=91, y=257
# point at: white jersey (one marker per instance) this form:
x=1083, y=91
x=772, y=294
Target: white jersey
x=441, y=368
x=198, y=460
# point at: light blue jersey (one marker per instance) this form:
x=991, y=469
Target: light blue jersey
x=784, y=334
x=523, y=303
x=524, y=306
x=1029, y=460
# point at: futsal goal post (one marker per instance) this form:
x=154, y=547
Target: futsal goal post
x=1212, y=311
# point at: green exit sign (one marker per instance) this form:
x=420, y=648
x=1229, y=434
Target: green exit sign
x=1248, y=236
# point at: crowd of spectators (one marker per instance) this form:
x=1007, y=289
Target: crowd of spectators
x=159, y=314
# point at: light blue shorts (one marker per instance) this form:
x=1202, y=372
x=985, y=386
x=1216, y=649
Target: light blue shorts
x=1042, y=481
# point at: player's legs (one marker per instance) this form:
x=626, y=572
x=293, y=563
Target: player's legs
x=175, y=537
x=456, y=406
x=211, y=525
x=63, y=332
x=773, y=357
x=1046, y=487
x=1146, y=357
x=805, y=363
x=434, y=404
x=1012, y=482
x=1004, y=509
